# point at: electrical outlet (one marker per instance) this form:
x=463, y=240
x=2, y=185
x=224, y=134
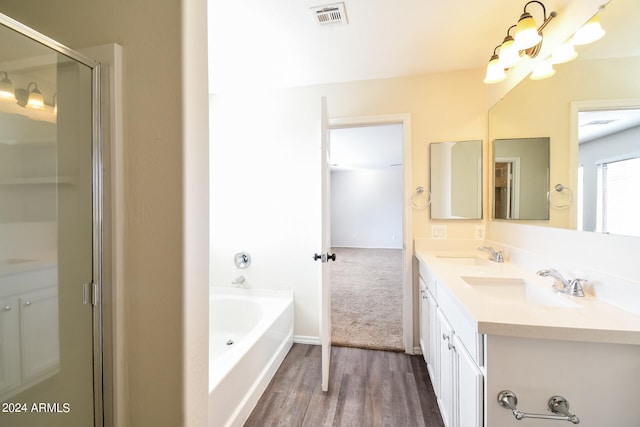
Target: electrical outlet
x=438, y=231
x=479, y=232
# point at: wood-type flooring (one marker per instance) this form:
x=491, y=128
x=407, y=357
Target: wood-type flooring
x=366, y=388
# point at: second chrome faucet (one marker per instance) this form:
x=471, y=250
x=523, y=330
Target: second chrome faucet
x=571, y=287
x=493, y=254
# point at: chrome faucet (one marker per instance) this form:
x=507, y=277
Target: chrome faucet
x=560, y=284
x=493, y=255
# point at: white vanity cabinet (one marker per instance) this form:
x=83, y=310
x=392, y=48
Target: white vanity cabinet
x=39, y=333
x=452, y=357
x=470, y=381
x=536, y=345
x=424, y=322
x=9, y=344
x=447, y=375
x=29, y=335
x=428, y=331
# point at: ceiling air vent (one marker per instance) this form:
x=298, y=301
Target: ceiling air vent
x=600, y=122
x=329, y=15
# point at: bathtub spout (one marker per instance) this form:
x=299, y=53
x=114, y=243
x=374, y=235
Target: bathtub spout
x=238, y=280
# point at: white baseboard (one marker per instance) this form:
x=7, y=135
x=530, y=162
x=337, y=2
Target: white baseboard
x=303, y=339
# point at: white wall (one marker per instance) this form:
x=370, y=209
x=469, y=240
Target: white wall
x=366, y=208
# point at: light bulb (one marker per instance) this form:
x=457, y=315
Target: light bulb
x=543, y=70
x=590, y=32
x=527, y=32
x=495, y=72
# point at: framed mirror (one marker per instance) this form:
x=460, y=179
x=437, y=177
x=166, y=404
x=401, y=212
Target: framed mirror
x=603, y=80
x=456, y=179
x=521, y=178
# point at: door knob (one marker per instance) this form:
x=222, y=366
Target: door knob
x=324, y=257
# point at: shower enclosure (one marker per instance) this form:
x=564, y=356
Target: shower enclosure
x=50, y=233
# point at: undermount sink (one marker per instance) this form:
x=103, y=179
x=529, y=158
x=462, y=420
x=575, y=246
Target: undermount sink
x=468, y=260
x=516, y=290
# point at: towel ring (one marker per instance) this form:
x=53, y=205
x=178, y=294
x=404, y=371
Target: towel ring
x=420, y=199
x=561, y=198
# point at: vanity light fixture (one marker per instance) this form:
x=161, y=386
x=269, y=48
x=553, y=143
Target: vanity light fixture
x=509, y=53
x=526, y=41
x=35, y=98
x=564, y=53
x=495, y=71
x=30, y=97
x=6, y=88
x=542, y=70
x=589, y=32
x=528, y=35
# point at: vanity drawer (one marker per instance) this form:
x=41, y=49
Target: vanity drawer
x=428, y=277
x=463, y=327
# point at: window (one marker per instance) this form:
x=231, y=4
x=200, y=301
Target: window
x=619, y=197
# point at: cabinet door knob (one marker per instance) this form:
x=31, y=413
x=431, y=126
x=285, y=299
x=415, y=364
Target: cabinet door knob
x=27, y=303
x=6, y=308
x=445, y=337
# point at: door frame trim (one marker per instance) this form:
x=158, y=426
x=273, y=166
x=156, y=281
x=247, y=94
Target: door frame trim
x=407, y=221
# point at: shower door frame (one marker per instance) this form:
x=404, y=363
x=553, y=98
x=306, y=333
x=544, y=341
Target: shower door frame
x=95, y=287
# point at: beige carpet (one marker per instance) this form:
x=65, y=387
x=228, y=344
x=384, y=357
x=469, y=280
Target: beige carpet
x=366, y=298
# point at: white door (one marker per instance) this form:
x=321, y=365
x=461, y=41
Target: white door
x=325, y=256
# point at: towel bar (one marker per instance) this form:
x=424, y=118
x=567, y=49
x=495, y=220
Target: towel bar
x=557, y=404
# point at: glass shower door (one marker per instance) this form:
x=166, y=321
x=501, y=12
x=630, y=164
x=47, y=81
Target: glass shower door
x=47, y=234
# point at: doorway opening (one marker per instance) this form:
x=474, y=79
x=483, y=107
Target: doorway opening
x=507, y=188
x=370, y=282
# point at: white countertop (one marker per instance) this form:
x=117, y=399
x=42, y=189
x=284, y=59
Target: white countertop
x=33, y=261
x=582, y=319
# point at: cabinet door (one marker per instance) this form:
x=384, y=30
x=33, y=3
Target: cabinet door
x=9, y=341
x=469, y=388
x=447, y=372
x=424, y=322
x=433, y=365
x=39, y=333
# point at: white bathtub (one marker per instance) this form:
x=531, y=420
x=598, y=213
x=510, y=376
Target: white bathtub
x=250, y=333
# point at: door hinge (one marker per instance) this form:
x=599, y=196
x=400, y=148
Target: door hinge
x=90, y=293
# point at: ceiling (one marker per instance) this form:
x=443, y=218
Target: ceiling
x=276, y=43
x=596, y=124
